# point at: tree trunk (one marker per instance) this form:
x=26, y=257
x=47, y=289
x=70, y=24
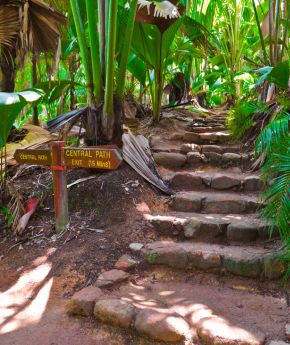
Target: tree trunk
x=35, y=120
x=7, y=66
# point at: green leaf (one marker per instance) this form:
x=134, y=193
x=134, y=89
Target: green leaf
x=11, y=105
x=280, y=75
x=138, y=68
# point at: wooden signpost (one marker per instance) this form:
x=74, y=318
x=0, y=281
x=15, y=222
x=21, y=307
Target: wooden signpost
x=61, y=158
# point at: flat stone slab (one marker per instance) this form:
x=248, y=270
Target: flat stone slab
x=111, y=277
x=126, y=262
x=209, y=227
x=115, y=312
x=252, y=183
x=243, y=260
x=216, y=137
x=209, y=202
x=170, y=160
x=172, y=311
x=136, y=247
x=207, y=129
x=220, y=149
x=161, y=325
x=191, y=137
x=83, y=301
x=217, y=331
x=243, y=231
x=190, y=181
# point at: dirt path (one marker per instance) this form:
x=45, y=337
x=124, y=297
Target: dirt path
x=205, y=249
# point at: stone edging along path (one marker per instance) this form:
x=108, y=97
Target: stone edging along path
x=179, y=312
x=212, y=226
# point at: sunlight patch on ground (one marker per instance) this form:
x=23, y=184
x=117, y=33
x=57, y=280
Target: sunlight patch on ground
x=25, y=302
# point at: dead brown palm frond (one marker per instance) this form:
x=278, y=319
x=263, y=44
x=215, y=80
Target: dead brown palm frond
x=9, y=27
x=29, y=25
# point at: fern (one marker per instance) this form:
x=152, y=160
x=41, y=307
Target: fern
x=240, y=117
x=271, y=136
x=274, y=143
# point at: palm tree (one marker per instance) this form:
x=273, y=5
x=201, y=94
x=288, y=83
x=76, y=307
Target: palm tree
x=25, y=26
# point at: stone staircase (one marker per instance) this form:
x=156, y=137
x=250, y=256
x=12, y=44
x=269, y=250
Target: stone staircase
x=210, y=227
x=214, y=206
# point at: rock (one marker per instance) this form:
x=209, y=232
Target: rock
x=192, y=228
x=186, y=202
x=287, y=331
x=277, y=342
x=231, y=204
x=115, y=312
x=194, y=158
x=167, y=326
x=242, y=232
x=111, y=277
x=136, y=247
x=186, y=181
x=176, y=136
x=204, y=261
x=167, y=225
x=190, y=137
x=185, y=148
x=215, y=137
x=170, y=255
x=126, y=262
x=274, y=267
x=170, y=159
x=220, y=181
x=213, y=157
x=231, y=158
x=82, y=302
x=212, y=148
x=252, y=183
x=246, y=267
x=217, y=331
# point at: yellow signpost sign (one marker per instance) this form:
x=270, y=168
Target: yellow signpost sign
x=59, y=158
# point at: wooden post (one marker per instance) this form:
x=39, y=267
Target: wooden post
x=59, y=186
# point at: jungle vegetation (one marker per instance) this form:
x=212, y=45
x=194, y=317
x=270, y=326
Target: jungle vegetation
x=58, y=56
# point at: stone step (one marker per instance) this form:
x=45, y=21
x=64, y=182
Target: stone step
x=230, y=228
x=214, y=202
x=216, y=180
x=184, y=312
x=195, y=159
x=220, y=137
x=252, y=262
x=198, y=129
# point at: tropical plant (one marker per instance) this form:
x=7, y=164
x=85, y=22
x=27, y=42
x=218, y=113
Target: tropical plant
x=25, y=26
x=274, y=144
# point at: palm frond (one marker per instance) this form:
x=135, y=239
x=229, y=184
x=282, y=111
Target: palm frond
x=272, y=134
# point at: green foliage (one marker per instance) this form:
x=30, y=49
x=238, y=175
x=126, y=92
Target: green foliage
x=278, y=75
x=240, y=117
x=274, y=143
x=11, y=105
x=8, y=217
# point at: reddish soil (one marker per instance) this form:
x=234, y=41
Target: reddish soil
x=41, y=269
x=113, y=202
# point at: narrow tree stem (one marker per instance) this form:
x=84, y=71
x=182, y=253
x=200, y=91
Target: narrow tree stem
x=83, y=47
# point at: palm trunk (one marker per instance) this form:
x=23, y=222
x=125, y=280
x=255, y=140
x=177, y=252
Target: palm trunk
x=35, y=119
x=126, y=50
x=108, y=111
x=83, y=48
x=102, y=36
x=7, y=66
x=95, y=53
